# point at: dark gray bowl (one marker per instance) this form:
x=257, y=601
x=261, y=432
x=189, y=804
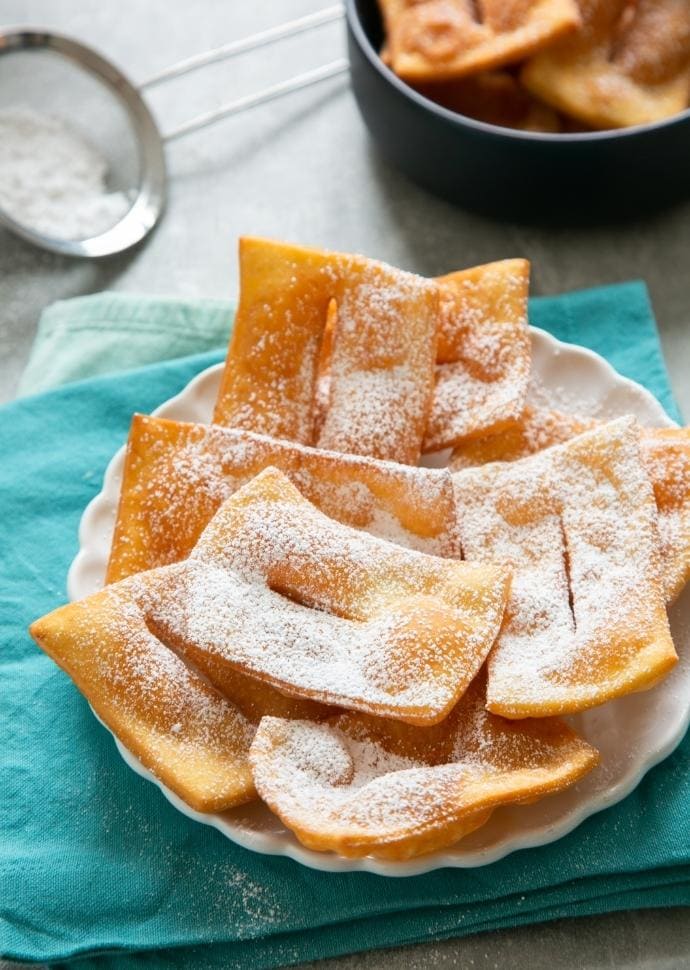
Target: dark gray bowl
x=504, y=172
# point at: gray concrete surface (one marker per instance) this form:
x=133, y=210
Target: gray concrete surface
x=305, y=170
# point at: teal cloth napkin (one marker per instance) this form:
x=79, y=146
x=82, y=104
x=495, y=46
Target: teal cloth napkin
x=95, y=863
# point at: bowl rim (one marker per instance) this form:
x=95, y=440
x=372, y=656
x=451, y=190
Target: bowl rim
x=359, y=34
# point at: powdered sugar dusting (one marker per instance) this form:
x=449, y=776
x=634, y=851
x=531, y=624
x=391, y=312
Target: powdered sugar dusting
x=360, y=785
x=484, y=352
x=276, y=588
x=381, y=366
x=380, y=358
x=182, y=729
x=177, y=475
x=537, y=429
x=340, y=350
x=666, y=455
x=578, y=524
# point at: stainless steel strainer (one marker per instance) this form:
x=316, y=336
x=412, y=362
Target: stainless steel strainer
x=149, y=198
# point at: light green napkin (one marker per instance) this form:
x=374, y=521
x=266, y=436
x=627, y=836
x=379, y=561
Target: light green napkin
x=93, y=335
x=94, y=863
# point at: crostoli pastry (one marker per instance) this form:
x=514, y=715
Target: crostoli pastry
x=338, y=351
x=628, y=65
x=382, y=353
x=270, y=372
x=482, y=357
x=177, y=474
x=665, y=452
x=483, y=352
x=431, y=40
x=495, y=97
x=180, y=727
x=381, y=363
x=536, y=429
x=276, y=589
x=586, y=621
x=359, y=785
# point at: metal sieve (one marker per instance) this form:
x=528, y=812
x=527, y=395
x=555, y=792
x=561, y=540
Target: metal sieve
x=148, y=198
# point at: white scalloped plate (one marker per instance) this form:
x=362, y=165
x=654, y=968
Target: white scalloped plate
x=633, y=734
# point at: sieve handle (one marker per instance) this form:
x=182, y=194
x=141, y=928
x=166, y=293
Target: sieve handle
x=235, y=47
x=296, y=83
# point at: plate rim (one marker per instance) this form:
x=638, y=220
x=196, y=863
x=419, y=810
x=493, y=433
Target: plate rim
x=277, y=844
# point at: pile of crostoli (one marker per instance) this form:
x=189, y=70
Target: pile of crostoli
x=545, y=65
x=296, y=611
